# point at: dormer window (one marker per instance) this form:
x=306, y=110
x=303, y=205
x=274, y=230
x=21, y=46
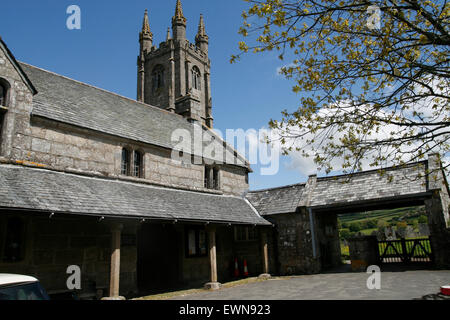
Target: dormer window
x=196, y=78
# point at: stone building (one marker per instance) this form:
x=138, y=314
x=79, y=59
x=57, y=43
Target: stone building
x=306, y=237
x=93, y=179
x=89, y=178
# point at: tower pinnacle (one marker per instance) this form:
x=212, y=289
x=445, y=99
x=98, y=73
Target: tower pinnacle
x=179, y=23
x=179, y=13
x=201, y=39
x=146, y=36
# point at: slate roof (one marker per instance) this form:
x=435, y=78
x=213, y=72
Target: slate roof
x=49, y=191
x=75, y=103
x=369, y=185
x=278, y=200
x=343, y=189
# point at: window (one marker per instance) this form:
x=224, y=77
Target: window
x=3, y=93
x=158, y=78
x=2, y=120
x=137, y=166
x=196, y=245
x=14, y=242
x=196, y=78
x=132, y=163
x=212, y=178
x=244, y=233
x=125, y=167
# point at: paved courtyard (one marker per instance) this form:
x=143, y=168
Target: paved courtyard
x=400, y=285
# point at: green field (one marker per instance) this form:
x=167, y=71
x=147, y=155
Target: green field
x=368, y=222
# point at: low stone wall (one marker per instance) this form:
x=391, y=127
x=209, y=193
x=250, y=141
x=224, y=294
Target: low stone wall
x=293, y=240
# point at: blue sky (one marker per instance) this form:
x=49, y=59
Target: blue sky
x=104, y=52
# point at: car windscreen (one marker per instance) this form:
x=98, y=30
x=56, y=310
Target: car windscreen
x=23, y=291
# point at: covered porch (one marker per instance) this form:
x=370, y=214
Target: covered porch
x=127, y=238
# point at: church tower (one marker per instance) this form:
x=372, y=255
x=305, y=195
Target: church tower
x=176, y=75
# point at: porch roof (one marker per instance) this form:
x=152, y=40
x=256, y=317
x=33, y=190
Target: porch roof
x=49, y=191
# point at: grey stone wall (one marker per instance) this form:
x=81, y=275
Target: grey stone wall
x=363, y=252
x=19, y=106
x=54, y=244
x=63, y=147
x=233, y=180
x=294, y=244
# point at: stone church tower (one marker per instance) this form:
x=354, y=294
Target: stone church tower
x=176, y=76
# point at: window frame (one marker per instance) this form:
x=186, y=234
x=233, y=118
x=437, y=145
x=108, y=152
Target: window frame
x=125, y=171
x=140, y=172
x=198, y=232
x=246, y=230
x=196, y=78
x=6, y=88
x=215, y=178
x=158, y=74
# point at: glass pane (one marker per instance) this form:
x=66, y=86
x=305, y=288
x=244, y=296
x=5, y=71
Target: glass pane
x=202, y=241
x=125, y=160
x=191, y=243
x=27, y=291
x=137, y=164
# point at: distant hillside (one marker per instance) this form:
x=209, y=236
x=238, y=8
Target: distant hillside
x=367, y=222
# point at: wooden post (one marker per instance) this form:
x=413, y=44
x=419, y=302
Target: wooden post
x=212, y=255
x=213, y=285
x=116, y=231
x=265, y=255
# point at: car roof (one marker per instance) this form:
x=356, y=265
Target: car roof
x=7, y=278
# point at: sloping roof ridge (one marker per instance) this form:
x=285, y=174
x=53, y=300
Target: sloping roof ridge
x=364, y=172
x=104, y=90
x=281, y=187
x=17, y=65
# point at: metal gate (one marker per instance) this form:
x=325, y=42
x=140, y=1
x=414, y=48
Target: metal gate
x=405, y=251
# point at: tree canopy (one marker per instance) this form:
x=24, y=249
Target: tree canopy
x=373, y=77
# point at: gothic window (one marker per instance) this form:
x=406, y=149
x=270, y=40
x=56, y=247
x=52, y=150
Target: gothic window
x=125, y=167
x=158, y=78
x=137, y=164
x=196, y=78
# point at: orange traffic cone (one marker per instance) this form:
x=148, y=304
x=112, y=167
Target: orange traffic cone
x=245, y=268
x=236, y=268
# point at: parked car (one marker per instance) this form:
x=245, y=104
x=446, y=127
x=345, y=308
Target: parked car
x=20, y=287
